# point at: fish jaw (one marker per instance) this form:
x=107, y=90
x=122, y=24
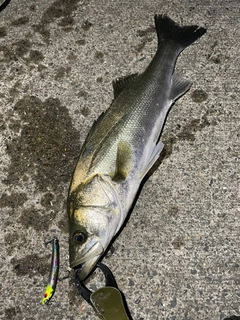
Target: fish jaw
x=87, y=259
x=86, y=268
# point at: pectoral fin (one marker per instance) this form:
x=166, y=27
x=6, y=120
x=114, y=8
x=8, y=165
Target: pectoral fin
x=123, y=161
x=152, y=159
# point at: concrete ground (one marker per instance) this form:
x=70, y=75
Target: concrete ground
x=179, y=255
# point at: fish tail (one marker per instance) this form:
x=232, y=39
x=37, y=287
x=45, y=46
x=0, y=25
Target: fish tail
x=168, y=30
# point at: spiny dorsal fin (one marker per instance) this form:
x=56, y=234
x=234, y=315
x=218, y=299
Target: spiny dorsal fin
x=123, y=161
x=179, y=86
x=121, y=83
x=84, y=151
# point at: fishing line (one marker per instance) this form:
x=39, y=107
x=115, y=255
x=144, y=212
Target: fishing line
x=3, y=6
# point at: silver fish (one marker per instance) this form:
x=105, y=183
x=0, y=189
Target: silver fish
x=121, y=147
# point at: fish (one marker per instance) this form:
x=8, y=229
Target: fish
x=122, y=146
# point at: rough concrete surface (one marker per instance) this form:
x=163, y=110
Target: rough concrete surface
x=178, y=256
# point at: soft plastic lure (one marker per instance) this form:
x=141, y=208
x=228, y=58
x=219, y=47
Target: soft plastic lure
x=53, y=276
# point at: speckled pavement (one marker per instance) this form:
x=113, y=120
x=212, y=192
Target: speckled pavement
x=178, y=256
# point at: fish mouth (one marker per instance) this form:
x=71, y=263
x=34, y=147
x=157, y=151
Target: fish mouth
x=88, y=260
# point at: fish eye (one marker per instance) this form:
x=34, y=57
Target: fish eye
x=79, y=237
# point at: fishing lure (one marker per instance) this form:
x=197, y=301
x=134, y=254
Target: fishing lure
x=53, y=275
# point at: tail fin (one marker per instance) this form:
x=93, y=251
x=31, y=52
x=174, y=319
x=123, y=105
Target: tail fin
x=168, y=30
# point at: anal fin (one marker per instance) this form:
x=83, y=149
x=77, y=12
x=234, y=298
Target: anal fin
x=179, y=86
x=152, y=159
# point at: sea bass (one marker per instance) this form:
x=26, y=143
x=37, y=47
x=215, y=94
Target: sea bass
x=121, y=147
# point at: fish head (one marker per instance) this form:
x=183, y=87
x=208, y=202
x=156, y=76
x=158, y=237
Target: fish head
x=88, y=240
x=93, y=222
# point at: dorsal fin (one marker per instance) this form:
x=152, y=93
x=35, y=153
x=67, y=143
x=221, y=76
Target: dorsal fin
x=95, y=124
x=121, y=83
